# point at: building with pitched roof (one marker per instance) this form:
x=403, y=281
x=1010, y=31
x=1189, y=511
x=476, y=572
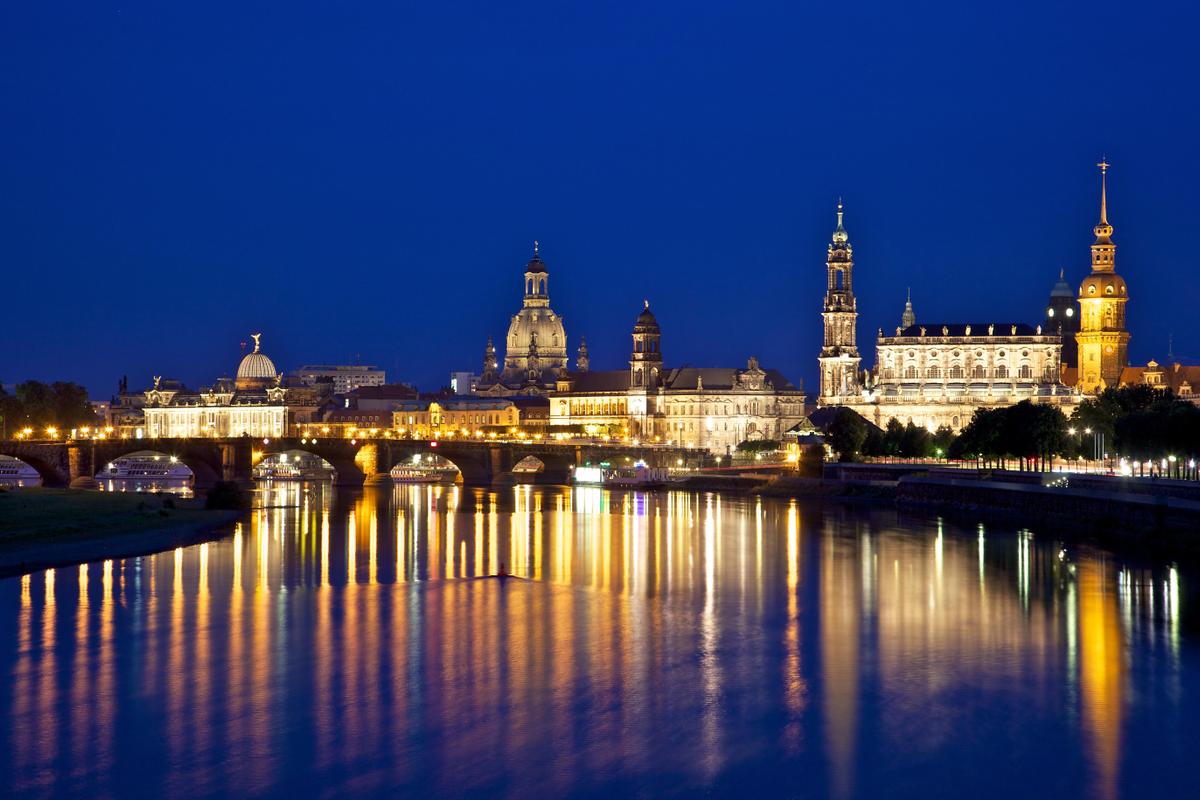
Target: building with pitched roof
x=711, y=408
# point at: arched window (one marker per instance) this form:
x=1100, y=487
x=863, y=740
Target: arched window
x=934, y=372
x=978, y=371
x=1025, y=372
x=910, y=371
x=956, y=371
x=1001, y=371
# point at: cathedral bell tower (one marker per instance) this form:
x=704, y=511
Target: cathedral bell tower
x=645, y=362
x=1103, y=341
x=839, y=356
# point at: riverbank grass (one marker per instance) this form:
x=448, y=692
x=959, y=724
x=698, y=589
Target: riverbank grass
x=51, y=527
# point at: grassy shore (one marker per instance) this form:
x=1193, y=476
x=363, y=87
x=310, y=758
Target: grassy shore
x=42, y=528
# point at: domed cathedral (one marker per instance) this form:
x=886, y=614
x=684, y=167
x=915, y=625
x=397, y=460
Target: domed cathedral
x=839, y=357
x=1062, y=318
x=536, y=346
x=713, y=408
x=1103, y=341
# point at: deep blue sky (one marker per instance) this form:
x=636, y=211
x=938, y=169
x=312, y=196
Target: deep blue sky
x=367, y=179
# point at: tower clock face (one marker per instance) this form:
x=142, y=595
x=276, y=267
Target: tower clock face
x=1108, y=349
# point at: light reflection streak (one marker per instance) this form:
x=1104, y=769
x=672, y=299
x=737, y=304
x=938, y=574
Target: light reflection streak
x=645, y=609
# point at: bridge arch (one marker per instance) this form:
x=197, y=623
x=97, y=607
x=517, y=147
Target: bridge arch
x=294, y=464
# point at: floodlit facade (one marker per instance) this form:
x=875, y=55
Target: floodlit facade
x=931, y=374
x=1103, y=339
x=254, y=404
x=713, y=408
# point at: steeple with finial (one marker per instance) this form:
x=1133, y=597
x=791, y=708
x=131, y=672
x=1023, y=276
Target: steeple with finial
x=581, y=358
x=909, y=317
x=839, y=354
x=1103, y=249
x=1103, y=339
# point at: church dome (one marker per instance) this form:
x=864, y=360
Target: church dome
x=646, y=321
x=1062, y=288
x=255, y=366
x=540, y=325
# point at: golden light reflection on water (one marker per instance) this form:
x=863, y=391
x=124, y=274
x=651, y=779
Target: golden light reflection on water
x=632, y=622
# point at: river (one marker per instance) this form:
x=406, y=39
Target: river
x=646, y=644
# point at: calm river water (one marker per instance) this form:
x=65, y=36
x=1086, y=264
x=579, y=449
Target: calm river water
x=648, y=644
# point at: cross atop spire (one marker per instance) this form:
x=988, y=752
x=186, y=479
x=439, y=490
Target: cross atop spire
x=535, y=248
x=1103, y=165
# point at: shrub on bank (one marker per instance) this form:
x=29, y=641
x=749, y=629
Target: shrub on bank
x=226, y=495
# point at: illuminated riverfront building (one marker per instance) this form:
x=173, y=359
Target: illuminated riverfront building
x=256, y=403
x=932, y=374
x=711, y=408
x=536, y=346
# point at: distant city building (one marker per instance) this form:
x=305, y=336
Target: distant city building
x=463, y=383
x=344, y=377
x=536, y=346
x=384, y=397
x=932, y=374
x=712, y=408
x=103, y=411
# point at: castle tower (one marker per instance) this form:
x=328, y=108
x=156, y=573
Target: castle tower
x=489, y=363
x=1103, y=341
x=839, y=356
x=1062, y=318
x=909, y=317
x=645, y=362
x=581, y=358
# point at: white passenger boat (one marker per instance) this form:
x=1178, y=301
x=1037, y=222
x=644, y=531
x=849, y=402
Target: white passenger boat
x=15, y=472
x=637, y=476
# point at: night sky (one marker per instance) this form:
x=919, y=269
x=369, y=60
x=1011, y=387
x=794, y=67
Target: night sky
x=363, y=180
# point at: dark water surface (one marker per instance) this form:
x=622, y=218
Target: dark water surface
x=653, y=644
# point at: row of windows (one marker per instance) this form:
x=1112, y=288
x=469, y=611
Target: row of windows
x=911, y=372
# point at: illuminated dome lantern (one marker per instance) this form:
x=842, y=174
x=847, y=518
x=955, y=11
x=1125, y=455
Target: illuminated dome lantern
x=256, y=370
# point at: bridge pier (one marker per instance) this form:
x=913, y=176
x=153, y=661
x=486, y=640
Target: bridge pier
x=81, y=467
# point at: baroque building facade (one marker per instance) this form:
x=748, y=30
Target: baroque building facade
x=255, y=403
x=933, y=374
x=711, y=408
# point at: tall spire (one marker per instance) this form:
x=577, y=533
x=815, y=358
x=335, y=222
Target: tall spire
x=1103, y=165
x=909, y=318
x=839, y=233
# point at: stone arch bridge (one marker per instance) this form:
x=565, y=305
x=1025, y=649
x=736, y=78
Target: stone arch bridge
x=356, y=461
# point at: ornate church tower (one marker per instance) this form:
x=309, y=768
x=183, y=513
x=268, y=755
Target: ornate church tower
x=1102, y=338
x=581, y=358
x=645, y=362
x=839, y=356
x=909, y=317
